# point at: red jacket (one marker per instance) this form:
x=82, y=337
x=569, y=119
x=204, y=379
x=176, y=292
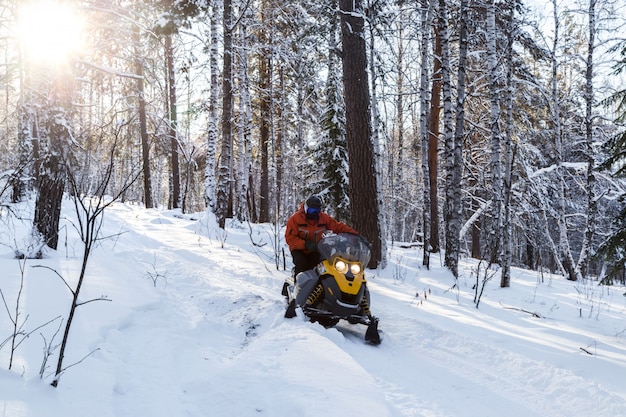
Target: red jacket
x=299, y=229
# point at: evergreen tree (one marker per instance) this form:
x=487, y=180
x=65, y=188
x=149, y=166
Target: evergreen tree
x=613, y=249
x=331, y=154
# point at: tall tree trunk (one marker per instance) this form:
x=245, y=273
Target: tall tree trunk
x=175, y=194
x=375, y=138
x=592, y=208
x=398, y=177
x=496, y=136
x=278, y=149
x=433, y=145
x=143, y=125
x=265, y=116
x=211, y=151
x=426, y=21
x=364, y=205
x=455, y=158
x=451, y=242
x=567, y=260
x=244, y=131
x=507, y=231
x=225, y=160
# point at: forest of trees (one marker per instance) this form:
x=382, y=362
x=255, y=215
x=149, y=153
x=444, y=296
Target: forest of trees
x=482, y=129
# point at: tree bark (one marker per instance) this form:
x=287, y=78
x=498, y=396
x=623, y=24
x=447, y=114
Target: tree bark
x=363, y=187
x=143, y=128
x=265, y=116
x=454, y=156
x=54, y=147
x=433, y=145
x=566, y=258
x=50, y=184
x=507, y=230
x=496, y=136
x=225, y=160
x=210, y=183
x=175, y=193
x=426, y=21
x=397, y=189
x=592, y=205
x=245, y=129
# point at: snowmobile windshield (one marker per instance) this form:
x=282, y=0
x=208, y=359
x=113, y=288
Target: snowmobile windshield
x=344, y=245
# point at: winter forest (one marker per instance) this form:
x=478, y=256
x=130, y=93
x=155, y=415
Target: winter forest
x=486, y=129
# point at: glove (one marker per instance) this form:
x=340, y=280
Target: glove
x=310, y=246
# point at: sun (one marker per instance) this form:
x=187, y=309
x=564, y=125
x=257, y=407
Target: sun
x=49, y=31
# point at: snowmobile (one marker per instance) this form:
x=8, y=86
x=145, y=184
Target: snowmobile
x=336, y=288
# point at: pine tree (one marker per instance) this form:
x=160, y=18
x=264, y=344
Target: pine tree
x=613, y=249
x=365, y=210
x=332, y=154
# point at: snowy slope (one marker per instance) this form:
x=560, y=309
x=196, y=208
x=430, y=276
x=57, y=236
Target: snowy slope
x=193, y=326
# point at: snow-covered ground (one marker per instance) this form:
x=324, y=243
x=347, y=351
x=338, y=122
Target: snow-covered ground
x=193, y=325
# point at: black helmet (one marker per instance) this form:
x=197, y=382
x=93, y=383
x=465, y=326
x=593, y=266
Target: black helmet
x=312, y=207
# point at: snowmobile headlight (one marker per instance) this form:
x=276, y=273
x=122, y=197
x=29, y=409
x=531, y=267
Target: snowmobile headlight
x=341, y=266
x=355, y=269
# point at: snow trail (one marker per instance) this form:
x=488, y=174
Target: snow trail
x=236, y=298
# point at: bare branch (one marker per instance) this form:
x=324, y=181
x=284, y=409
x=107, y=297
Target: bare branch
x=57, y=273
x=92, y=300
x=58, y=374
x=532, y=313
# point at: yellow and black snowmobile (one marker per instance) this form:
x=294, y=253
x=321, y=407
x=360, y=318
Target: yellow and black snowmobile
x=336, y=288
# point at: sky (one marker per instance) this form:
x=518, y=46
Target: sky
x=182, y=319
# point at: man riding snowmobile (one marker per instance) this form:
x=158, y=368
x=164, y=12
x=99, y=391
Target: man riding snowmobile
x=305, y=228
x=328, y=282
